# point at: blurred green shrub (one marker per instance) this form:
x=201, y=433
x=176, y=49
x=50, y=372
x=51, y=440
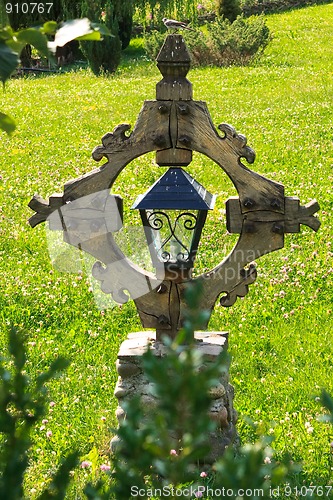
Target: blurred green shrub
x=224, y=44
x=22, y=405
x=103, y=57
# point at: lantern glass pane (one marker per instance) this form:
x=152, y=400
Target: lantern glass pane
x=172, y=234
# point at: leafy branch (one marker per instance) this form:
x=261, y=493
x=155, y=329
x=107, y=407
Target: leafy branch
x=21, y=407
x=12, y=43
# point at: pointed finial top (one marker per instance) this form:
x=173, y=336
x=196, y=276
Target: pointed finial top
x=174, y=62
x=174, y=58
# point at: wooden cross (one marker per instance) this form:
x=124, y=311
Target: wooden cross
x=174, y=125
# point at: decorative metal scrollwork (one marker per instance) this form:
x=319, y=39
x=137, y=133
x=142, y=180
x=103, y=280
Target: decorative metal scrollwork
x=158, y=219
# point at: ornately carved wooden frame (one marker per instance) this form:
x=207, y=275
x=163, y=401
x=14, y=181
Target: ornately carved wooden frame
x=261, y=214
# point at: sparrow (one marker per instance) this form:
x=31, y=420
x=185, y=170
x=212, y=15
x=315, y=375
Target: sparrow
x=175, y=25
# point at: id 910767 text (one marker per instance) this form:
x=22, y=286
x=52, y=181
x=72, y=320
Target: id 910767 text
x=29, y=8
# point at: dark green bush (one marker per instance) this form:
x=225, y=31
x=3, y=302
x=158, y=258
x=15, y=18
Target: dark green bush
x=125, y=30
x=229, y=9
x=225, y=44
x=125, y=23
x=153, y=42
x=239, y=42
x=104, y=56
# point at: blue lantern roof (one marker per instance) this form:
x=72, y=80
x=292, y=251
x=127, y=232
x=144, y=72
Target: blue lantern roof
x=176, y=190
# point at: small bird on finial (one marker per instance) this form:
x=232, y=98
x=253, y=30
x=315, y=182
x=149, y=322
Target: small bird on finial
x=175, y=25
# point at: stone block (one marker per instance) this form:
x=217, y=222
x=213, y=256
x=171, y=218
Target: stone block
x=132, y=381
x=126, y=369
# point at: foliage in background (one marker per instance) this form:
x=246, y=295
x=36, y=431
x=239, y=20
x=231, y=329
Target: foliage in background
x=103, y=57
x=151, y=12
x=224, y=43
x=239, y=42
x=64, y=10
x=116, y=15
x=19, y=17
x=124, y=16
x=228, y=9
x=70, y=10
x=12, y=44
x=36, y=14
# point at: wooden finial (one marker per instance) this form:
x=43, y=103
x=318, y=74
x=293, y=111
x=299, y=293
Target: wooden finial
x=174, y=62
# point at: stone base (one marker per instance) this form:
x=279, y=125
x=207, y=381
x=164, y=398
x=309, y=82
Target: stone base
x=132, y=382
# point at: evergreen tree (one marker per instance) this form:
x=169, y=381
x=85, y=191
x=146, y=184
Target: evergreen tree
x=229, y=9
x=70, y=10
x=124, y=13
x=102, y=56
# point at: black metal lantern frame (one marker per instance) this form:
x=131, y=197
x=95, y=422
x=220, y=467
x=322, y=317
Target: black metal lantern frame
x=173, y=213
x=167, y=239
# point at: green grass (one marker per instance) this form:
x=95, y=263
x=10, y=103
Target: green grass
x=280, y=334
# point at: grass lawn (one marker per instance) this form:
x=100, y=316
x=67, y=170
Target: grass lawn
x=280, y=334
